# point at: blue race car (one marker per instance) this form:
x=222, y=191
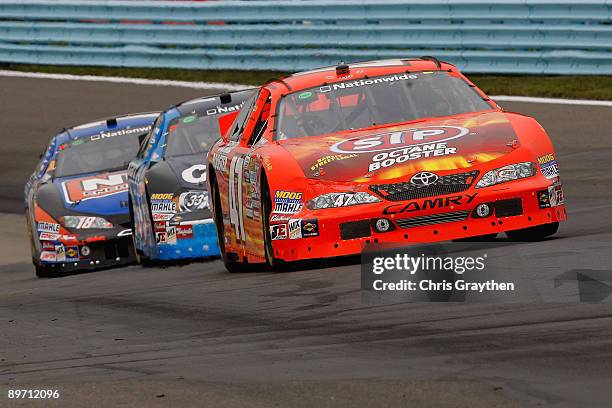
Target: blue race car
x=168, y=195
x=76, y=200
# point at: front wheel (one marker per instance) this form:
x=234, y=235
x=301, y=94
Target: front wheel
x=266, y=209
x=536, y=233
x=43, y=272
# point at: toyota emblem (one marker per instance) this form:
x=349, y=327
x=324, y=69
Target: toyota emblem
x=424, y=178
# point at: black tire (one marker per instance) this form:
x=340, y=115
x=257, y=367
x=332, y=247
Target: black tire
x=266, y=210
x=536, y=233
x=231, y=266
x=43, y=272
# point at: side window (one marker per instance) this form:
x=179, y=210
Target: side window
x=45, y=159
x=261, y=124
x=242, y=119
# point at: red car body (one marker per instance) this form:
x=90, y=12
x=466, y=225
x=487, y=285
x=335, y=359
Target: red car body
x=422, y=173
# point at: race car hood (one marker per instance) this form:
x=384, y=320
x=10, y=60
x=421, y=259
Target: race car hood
x=390, y=152
x=99, y=194
x=190, y=170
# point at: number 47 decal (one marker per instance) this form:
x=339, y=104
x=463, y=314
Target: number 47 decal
x=235, y=197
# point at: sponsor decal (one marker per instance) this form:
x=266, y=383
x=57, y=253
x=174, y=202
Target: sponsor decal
x=48, y=256
x=47, y=236
x=551, y=197
x=163, y=206
x=295, y=229
x=310, y=228
x=430, y=204
x=305, y=95
x=72, y=253
x=159, y=226
x=171, y=235
x=60, y=253
x=47, y=246
x=160, y=237
x=48, y=227
x=396, y=140
x=162, y=196
x=322, y=161
x=219, y=161
x=366, y=82
x=277, y=217
x=278, y=231
x=122, y=132
x=195, y=174
x=387, y=159
x=223, y=109
x=184, y=231
x=80, y=189
x=549, y=166
x=193, y=200
x=543, y=198
x=556, y=195
x=162, y=216
x=287, y=202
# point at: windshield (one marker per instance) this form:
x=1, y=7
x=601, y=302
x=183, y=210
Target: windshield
x=362, y=103
x=101, y=154
x=192, y=134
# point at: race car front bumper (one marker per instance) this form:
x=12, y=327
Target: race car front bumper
x=346, y=230
x=188, y=240
x=68, y=254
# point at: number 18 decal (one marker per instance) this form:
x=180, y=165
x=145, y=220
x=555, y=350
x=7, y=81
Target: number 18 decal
x=235, y=197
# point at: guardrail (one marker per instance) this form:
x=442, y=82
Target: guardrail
x=508, y=36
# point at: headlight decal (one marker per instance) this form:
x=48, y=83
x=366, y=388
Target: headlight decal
x=507, y=173
x=85, y=222
x=336, y=200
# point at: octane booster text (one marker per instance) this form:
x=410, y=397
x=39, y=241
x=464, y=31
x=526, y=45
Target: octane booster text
x=387, y=159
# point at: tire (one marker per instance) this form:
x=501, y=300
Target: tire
x=43, y=272
x=536, y=233
x=272, y=263
x=231, y=266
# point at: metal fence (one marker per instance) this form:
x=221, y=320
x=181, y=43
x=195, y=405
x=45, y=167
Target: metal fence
x=505, y=36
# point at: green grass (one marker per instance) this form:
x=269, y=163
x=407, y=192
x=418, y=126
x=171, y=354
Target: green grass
x=553, y=86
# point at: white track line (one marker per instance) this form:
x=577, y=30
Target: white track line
x=586, y=102
x=123, y=80
x=237, y=87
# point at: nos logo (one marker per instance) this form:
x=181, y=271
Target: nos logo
x=395, y=140
x=80, y=189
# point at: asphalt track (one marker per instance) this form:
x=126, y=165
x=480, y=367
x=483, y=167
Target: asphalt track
x=199, y=336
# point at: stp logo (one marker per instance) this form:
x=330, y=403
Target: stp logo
x=395, y=140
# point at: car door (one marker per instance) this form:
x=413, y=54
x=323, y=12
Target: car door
x=241, y=202
x=142, y=228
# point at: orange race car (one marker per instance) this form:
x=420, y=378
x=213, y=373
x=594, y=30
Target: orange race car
x=319, y=163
